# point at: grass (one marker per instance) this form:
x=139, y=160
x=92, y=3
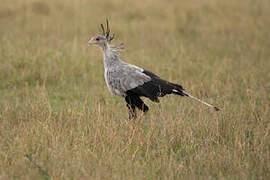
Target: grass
x=58, y=120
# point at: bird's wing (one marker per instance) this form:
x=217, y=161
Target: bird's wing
x=129, y=77
x=133, y=77
x=157, y=87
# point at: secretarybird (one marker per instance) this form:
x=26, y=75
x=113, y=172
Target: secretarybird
x=132, y=82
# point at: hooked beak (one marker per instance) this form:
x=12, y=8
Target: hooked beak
x=91, y=42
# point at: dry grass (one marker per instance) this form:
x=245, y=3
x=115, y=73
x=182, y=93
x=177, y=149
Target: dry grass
x=58, y=120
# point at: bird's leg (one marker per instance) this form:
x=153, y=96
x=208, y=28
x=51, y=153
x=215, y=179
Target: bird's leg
x=131, y=108
x=131, y=112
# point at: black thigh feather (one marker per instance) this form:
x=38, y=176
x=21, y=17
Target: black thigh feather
x=133, y=100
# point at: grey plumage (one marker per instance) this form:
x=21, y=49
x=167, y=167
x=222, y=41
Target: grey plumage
x=132, y=82
x=121, y=77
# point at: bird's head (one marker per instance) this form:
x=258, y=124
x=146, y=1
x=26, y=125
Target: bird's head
x=104, y=39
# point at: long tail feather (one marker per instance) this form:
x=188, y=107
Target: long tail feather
x=197, y=99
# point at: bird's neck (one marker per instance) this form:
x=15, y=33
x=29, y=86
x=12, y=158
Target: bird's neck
x=110, y=55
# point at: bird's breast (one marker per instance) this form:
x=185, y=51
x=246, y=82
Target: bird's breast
x=113, y=84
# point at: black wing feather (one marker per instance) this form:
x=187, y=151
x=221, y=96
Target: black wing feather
x=157, y=87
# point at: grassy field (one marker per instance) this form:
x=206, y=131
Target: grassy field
x=58, y=120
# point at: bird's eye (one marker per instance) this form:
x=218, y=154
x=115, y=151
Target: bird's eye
x=97, y=38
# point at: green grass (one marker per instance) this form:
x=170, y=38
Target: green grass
x=58, y=120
